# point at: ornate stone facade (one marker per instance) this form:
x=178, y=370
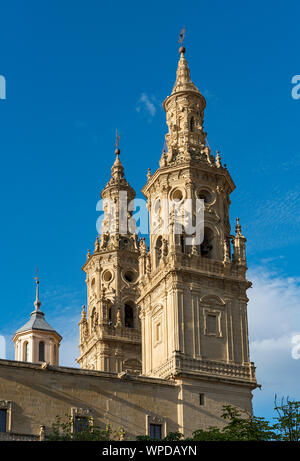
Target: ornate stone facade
x=164, y=337
x=110, y=333
x=191, y=296
x=193, y=300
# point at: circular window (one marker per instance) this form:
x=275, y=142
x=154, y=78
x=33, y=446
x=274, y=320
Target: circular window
x=177, y=195
x=130, y=276
x=107, y=276
x=206, y=196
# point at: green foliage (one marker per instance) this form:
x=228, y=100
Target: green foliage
x=173, y=437
x=63, y=431
x=143, y=438
x=236, y=428
x=288, y=420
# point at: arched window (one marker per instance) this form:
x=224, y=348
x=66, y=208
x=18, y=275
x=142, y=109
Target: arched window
x=109, y=311
x=129, y=321
x=182, y=245
x=41, y=351
x=207, y=244
x=158, y=246
x=192, y=124
x=26, y=352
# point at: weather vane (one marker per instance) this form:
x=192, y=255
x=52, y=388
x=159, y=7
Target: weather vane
x=181, y=36
x=117, y=139
x=37, y=276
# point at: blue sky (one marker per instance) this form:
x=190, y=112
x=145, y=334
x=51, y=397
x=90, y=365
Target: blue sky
x=75, y=72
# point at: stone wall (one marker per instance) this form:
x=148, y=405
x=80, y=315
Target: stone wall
x=40, y=393
x=12, y=437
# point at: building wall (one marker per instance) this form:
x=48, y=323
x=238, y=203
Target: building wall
x=40, y=394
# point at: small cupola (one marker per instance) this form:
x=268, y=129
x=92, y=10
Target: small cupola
x=37, y=341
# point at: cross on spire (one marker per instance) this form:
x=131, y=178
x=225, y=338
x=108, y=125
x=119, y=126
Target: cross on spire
x=37, y=275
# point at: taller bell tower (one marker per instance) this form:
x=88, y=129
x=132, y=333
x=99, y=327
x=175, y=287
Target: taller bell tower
x=193, y=293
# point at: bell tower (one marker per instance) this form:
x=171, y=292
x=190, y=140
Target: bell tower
x=110, y=334
x=193, y=291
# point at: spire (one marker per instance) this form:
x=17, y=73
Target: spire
x=37, y=302
x=37, y=317
x=117, y=181
x=37, y=323
x=116, y=195
x=238, y=228
x=218, y=159
x=183, y=76
x=117, y=170
x=239, y=245
x=186, y=138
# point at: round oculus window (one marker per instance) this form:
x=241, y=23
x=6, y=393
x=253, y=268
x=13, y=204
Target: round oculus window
x=107, y=276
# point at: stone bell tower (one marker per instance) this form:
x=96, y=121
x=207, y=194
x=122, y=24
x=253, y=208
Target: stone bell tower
x=110, y=334
x=193, y=293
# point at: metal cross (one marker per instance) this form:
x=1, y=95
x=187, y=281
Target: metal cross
x=37, y=276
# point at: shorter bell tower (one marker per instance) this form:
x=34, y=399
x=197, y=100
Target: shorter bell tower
x=110, y=333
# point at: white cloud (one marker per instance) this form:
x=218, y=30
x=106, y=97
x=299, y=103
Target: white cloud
x=274, y=323
x=146, y=103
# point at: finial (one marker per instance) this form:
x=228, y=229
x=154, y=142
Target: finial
x=97, y=244
x=88, y=254
x=218, y=159
x=181, y=38
x=117, y=151
x=149, y=174
x=83, y=314
x=37, y=302
x=238, y=227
